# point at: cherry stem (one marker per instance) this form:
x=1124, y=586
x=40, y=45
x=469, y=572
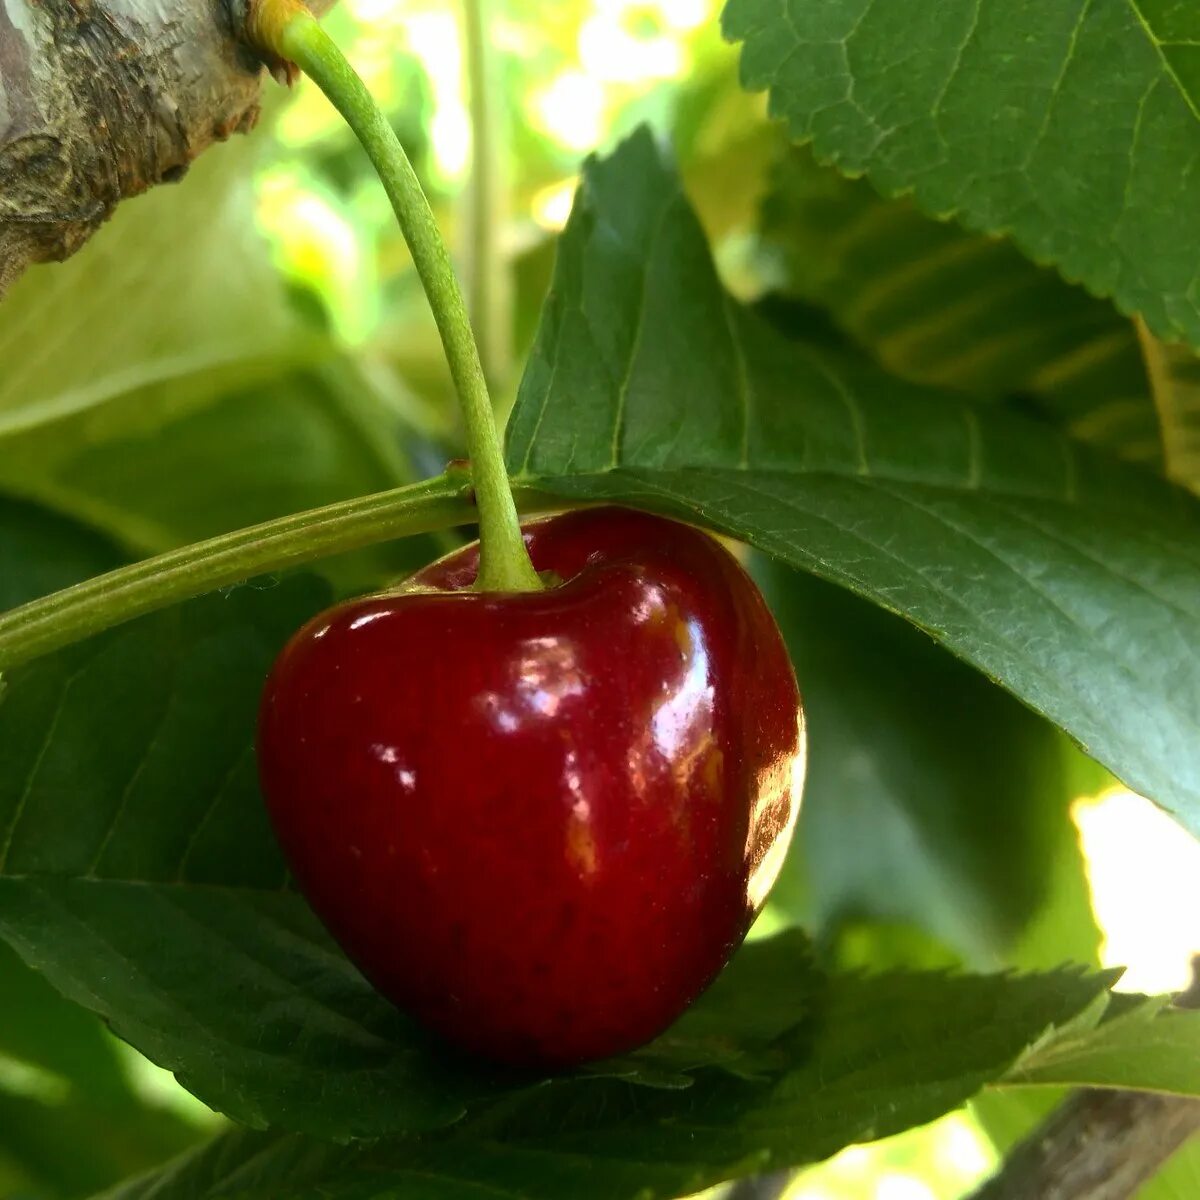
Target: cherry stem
x=97, y=604
x=288, y=30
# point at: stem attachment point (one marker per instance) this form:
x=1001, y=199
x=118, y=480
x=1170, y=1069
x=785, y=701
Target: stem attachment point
x=287, y=30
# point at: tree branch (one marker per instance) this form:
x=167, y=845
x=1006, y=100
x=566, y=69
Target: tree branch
x=102, y=99
x=1096, y=1146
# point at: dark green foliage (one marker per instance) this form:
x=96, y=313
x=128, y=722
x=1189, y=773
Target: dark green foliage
x=962, y=472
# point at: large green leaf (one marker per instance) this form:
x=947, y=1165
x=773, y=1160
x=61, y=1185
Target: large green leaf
x=1142, y=1043
x=40, y=552
x=649, y=1145
x=931, y=796
x=937, y=304
x=1070, y=124
x=873, y=1055
x=1179, y=1179
x=178, y=289
x=157, y=475
x=78, y=1093
x=1069, y=578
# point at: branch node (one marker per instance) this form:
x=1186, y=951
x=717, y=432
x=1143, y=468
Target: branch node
x=260, y=24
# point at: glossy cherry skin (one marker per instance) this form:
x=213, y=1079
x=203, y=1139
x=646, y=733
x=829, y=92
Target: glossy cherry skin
x=541, y=823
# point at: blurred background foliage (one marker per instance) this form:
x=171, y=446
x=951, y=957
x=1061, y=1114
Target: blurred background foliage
x=255, y=341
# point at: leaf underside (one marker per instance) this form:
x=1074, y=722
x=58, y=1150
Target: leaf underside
x=936, y=304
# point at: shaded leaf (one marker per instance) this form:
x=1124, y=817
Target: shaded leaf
x=1175, y=376
x=1065, y=928
x=176, y=289
x=157, y=471
x=937, y=304
x=1067, y=123
x=138, y=871
x=40, y=1028
x=160, y=475
x=875, y=1055
x=41, y=552
x=80, y=1094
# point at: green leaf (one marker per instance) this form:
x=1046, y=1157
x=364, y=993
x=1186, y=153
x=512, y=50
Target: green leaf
x=78, y=1093
x=69, y=1088
x=159, y=476
x=1064, y=929
x=1068, y=124
x=932, y=796
x=1179, y=1179
x=178, y=289
x=1146, y=1046
x=873, y=1055
x=156, y=473
x=1069, y=578
x=937, y=304
x=41, y=552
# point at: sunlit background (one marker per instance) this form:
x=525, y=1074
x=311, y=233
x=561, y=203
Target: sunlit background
x=571, y=78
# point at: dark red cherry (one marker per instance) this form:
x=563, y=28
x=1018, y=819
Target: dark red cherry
x=541, y=822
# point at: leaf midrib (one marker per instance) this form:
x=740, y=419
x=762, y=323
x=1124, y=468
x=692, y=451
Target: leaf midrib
x=1092, y=505
x=645, y=477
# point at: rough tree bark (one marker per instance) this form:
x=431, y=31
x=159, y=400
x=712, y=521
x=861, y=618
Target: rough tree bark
x=101, y=99
x=1097, y=1146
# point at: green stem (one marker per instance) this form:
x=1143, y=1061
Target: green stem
x=97, y=604
x=295, y=34
x=488, y=288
